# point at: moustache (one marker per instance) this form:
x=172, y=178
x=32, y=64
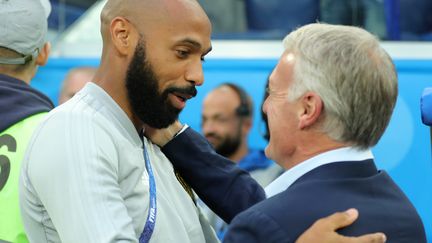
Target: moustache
x=212, y=135
x=189, y=90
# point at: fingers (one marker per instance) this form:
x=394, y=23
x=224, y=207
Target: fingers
x=162, y=136
x=324, y=230
x=339, y=220
x=370, y=238
x=343, y=219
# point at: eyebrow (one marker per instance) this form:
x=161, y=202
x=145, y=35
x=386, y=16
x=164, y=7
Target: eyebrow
x=195, y=44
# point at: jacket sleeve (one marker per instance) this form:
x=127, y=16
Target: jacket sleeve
x=225, y=188
x=253, y=226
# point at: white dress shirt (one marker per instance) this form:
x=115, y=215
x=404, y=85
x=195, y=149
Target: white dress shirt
x=333, y=156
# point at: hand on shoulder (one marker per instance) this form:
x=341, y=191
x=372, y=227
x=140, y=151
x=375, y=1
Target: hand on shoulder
x=162, y=136
x=324, y=230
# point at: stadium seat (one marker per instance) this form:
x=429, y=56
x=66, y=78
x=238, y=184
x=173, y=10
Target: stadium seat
x=63, y=15
x=276, y=18
x=426, y=109
x=392, y=13
x=409, y=19
x=426, y=106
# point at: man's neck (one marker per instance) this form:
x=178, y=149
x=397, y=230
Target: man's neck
x=310, y=149
x=240, y=153
x=111, y=78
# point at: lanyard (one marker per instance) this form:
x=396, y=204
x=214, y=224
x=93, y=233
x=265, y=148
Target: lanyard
x=151, y=217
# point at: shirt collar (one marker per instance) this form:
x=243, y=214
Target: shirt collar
x=98, y=98
x=333, y=156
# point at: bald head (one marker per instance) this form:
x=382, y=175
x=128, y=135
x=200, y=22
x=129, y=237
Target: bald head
x=147, y=14
x=223, y=99
x=74, y=81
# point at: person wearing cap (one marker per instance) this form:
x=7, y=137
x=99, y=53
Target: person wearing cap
x=22, y=49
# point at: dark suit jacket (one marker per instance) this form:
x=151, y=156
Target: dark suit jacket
x=329, y=188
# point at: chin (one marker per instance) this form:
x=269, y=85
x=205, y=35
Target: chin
x=267, y=151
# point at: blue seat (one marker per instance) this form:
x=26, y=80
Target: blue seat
x=426, y=106
x=426, y=109
x=392, y=13
x=409, y=19
x=276, y=18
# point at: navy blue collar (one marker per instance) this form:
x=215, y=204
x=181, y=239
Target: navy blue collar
x=18, y=101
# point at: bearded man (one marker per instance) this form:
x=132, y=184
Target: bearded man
x=88, y=174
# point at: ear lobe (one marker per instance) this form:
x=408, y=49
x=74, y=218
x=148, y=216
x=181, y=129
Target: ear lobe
x=44, y=52
x=247, y=125
x=312, y=106
x=120, y=30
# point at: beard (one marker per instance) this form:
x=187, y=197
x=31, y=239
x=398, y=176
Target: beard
x=228, y=145
x=142, y=85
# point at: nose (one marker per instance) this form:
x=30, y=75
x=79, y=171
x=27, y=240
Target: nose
x=207, y=126
x=264, y=106
x=195, y=74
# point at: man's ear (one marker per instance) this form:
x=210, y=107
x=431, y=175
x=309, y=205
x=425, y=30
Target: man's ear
x=122, y=33
x=246, y=125
x=311, y=109
x=43, y=55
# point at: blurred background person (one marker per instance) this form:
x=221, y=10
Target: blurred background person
x=22, y=49
x=75, y=79
x=227, y=114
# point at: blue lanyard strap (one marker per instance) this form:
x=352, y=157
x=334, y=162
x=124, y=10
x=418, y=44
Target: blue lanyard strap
x=151, y=217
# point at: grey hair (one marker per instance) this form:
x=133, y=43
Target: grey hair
x=354, y=76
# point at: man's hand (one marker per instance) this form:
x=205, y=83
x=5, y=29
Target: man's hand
x=324, y=230
x=161, y=137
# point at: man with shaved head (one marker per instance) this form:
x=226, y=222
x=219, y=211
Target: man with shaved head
x=89, y=175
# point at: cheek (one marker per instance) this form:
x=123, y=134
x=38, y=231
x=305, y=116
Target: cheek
x=273, y=115
x=278, y=126
x=214, y=128
x=167, y=76
x=226, y=130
